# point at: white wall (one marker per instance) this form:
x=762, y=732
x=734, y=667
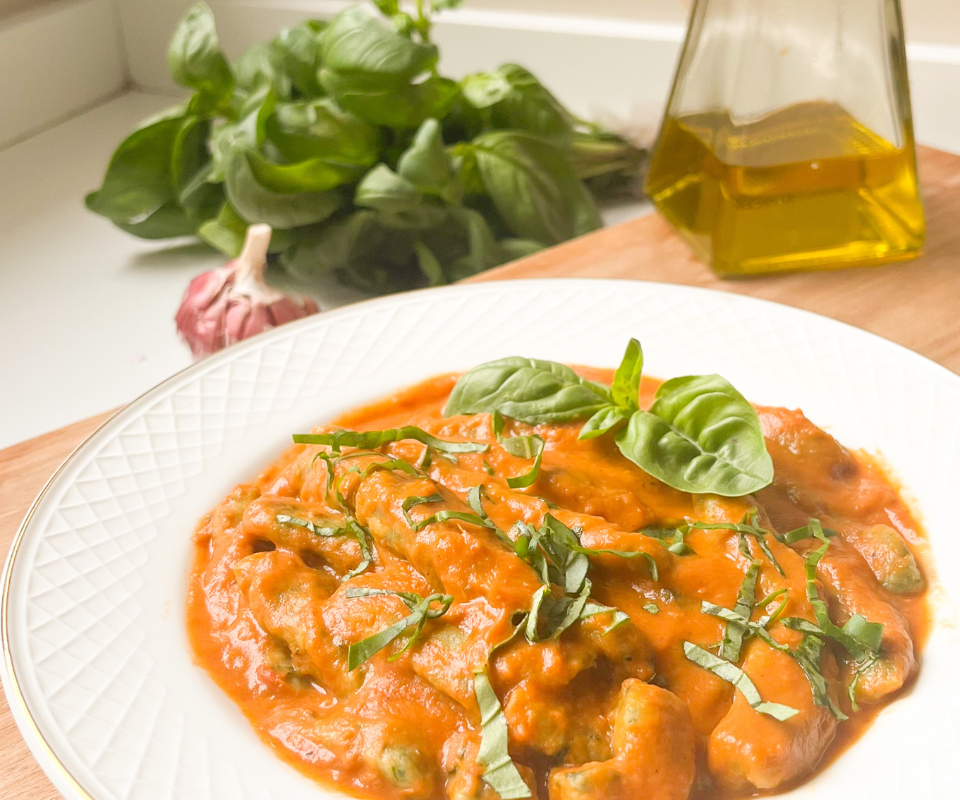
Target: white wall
x=603, y=57
x=56, y=59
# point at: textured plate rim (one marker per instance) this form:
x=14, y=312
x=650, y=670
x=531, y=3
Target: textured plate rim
x=48, y=760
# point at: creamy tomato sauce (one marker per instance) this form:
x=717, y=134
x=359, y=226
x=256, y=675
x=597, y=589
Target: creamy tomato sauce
x=617, y=713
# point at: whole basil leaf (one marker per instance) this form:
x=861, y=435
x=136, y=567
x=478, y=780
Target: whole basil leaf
x=626, y=380
x=257, y=203
x=165, y=222
x=533, y=187
x=360, y=248
x=139, y=180
x=195, y=59
x=383, y=100
x=321, y=129
x=356, y=42
x=382, y=189
x=312, y=175
x=427, y=165
x=192, y=169
x=605, y=420
x=514, y=99
x=296, y=55
x=256, y=68
x=528, y=390
x=699, y=436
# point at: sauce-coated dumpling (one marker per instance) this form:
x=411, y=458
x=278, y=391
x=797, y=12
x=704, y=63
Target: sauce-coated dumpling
x=402, y=622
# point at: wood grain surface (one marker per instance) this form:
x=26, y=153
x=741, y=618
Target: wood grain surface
x=915, y=303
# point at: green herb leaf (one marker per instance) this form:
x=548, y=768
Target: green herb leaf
x=699, y=436
x=374, y=439
x=625, y=390
x=316, y=530
x=652, y=608
x=525, y=447
x=738, y=678
x=411, y=502
x=138, y=184
x=746, y=599
x=858, y=637
x=511, y=98
x=528, y=390
x=500, y=773
x=195, y=58
x=426, y=164
x=604, y=421
x=321, y=129
x=460, y=516
x=421, y=611
x=533, y=187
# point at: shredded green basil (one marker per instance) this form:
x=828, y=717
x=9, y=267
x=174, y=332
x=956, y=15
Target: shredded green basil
x=525, y=447
x=500, y=773
x=733, y=634
x=732, y=674
x=652, y=608
x=374, y=439
x=316, y=530
x=420, y=612
x=444, y=516
x=412, y=502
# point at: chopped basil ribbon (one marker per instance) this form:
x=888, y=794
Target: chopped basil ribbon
x=522, y=447
x=461, y=516
x=859, y=637
x=411, y=502
x=373, y=439
x=700, y=435
x=746, y=527
x=351, y=528
x=595, y=609
x=316, y=530
x=732, y=674
x=500, y=773
x=672, y=539
x=420, y=609
x=525, y=447
x=652, y=608
x=732, y=641
x=364, y=538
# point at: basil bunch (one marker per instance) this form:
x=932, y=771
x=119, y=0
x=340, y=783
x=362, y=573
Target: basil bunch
x=344, y=137
x=700, y=435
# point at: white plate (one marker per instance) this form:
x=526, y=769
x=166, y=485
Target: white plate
x=98, y=671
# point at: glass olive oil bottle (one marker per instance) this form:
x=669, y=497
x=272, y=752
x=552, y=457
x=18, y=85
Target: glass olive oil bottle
x=756, y=185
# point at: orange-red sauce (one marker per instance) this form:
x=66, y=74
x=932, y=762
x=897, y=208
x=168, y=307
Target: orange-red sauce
x=269, y=619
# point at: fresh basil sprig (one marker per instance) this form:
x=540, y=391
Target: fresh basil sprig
x=368, y=163
x=700, y=435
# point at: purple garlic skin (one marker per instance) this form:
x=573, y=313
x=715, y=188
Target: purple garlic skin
x=231, y=303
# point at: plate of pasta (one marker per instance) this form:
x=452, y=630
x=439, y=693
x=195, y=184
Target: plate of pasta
x=556, y=539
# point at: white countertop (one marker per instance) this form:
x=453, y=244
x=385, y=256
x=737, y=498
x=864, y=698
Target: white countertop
x=86, y=310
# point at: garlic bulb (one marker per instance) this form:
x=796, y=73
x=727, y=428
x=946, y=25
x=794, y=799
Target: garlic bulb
x=233, y=302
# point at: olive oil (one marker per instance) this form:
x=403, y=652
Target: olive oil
x=805, y=187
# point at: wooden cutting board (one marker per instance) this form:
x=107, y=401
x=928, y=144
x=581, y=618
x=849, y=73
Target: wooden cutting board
x=915, y=303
